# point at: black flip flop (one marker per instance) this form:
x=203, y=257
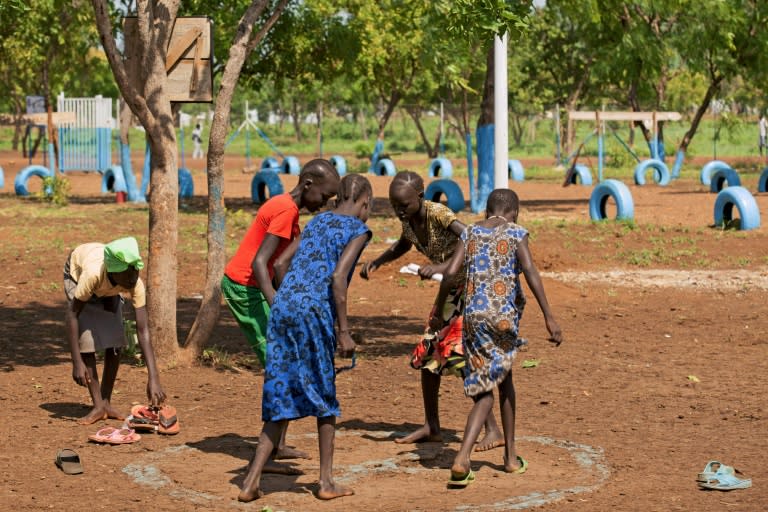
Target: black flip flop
x=69, y=462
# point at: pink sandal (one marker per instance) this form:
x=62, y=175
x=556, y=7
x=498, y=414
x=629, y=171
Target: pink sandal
x=111, y=435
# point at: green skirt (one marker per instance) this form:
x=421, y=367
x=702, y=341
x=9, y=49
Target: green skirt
x=251, y=310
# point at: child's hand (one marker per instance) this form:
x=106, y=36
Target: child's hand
x=367, y=269
x=155, y=393
x=555, y=335
x=435, y=322
x=346, y=345
x=80, y=373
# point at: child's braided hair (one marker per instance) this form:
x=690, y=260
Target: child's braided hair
x=353, y=187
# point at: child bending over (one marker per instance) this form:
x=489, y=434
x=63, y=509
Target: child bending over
x=494, y=252
x=434, y=230
x=299, y=380
x=94, y=277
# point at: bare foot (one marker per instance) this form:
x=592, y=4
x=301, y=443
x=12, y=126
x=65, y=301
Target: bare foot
x=331, y=491
x=92, y=417
x=246, y=496
x=459, y=470
x=420, y=436
x=281, y=469
x=113, y=414
x=518, y=466
x=490, y=441
x=287, y=452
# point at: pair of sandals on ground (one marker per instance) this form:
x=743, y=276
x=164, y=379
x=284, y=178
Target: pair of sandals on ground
x=162, y=420
x=719, y=477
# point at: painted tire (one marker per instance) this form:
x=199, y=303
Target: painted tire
x=708, y=169
x=625, y=207
x=290, y=165
x=516, y=171
x=270, y=163
x=722, y=176
x=186, y=184
x=453, y=197
x=743, y=200
x=440, y=168
x=762, y=185
x=20, y=183
x=582, y=175
x=340, y=164
x=660, y=172
x=113, y=180
x=2, y=178
x=385, y=167
x=263, y=182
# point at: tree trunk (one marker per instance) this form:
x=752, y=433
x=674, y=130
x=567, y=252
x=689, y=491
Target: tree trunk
x=320, y=129
x=486, y=107
x=714, y=86
x=392, y=102
x=296, y=121
x=415, y=113
x=210, y=307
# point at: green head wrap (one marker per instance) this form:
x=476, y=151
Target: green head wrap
x=121, y=254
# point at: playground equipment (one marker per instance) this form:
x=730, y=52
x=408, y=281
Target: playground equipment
x=762, y=184
x=516, y=171
x=706, y=172
x=453, y=195
x=581, y=174
x=381, y=166
x=2, y=178
x=611, y=189
x=600, y=117
x=721, y=177
x=744, y=202
x=339, y=163
x=440, y=167
x=660, y=172
x=264, y=181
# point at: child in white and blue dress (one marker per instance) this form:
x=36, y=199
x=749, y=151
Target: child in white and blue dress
x=494, y=252
x=309, y=308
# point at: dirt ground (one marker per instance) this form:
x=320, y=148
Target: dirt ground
x=664, y=367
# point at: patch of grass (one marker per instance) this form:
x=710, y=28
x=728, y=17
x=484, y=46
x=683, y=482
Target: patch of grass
x=218, y=358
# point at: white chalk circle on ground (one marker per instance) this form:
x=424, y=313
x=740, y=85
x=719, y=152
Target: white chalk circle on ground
x=454, y=198
x=516, y=171
x=265, y=181
x=590, y=461
x=385, y=167
x=339, y=163
x=22, y=179
x=611, y=189
x=706, y=172
x=742, y=199
x=440, y=168
x=722, y=177
x=660, y=172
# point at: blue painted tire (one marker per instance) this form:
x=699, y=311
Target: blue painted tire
x=708, y=169
x=290, y=165
x=762, y=185
x=625, y=207
x=454, y=198
x=340, y=164
x=2, y=178
x=270, y=163
x=581, y=175
x=722, y=176
x=516, y=171
x=186, y=184
x=660, y=172
x=263, y=182
x=440, y=168
x=20, y=183
x=743, y=200
x=113, y=180
x=385, y=167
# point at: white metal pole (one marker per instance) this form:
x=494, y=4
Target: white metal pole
x=501, y=122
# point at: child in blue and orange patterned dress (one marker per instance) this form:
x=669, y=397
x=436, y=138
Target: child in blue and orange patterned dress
x=493, y=253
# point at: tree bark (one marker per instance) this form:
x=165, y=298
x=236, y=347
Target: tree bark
x=714, y=86
x=210, y=307
x=415, y=113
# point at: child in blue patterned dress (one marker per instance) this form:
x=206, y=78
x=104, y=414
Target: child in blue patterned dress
x=299, y=379
x=494, y=252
